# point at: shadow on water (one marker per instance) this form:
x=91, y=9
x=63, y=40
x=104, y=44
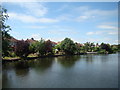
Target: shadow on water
x=68, y=61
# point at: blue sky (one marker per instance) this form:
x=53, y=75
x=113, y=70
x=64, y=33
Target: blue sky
x=81, y=21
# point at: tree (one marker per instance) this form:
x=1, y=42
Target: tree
x=48, y=47
x=68, y=46
x=106, y=47
x=33, y=47
x=4, y=29
x=22, y=49
x=41, y=47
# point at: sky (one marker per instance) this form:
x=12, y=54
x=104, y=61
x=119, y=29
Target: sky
x=81, y=21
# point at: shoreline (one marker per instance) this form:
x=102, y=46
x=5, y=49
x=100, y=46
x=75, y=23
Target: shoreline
x=30, y=58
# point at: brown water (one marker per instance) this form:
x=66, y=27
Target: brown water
x=82, y=71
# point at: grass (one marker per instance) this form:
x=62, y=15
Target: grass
x=11, y=58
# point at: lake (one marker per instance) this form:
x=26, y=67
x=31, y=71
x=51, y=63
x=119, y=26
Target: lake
x=78, y=71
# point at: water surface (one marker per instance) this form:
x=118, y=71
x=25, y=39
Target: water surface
x=79, y=71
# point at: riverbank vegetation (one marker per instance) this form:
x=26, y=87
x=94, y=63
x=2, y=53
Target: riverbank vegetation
x=25, y=48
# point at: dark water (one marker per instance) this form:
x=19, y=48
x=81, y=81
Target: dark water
x=84, y=71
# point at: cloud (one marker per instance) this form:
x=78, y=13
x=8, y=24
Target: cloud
x=84, y=18
x=34, y=8
x=107, y=27
x=88, y=13
x=31, y=19
x=109, y=32
x=95, y=33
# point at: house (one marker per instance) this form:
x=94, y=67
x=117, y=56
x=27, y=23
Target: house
x=53, y=43
x=13, y=42
x=31, y=40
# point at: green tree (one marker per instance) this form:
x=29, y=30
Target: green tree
x=34, y=47
x=106, y=47
x=68, y=46
x=41, y=47
x=4, y=29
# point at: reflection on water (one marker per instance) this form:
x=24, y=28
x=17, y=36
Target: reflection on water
x=21, y=68
x=79, y=71
x=68, y=61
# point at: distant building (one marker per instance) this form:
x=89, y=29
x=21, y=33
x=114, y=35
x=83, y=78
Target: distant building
x=13, y=42
x=53, y=43
x=31, y=40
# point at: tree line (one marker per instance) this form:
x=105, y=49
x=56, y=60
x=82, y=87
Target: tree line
x=66, y=47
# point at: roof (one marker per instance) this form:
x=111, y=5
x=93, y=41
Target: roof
x=31, y=40
x=12, y=39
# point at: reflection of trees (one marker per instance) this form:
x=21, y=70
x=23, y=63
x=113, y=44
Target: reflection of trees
x=4, y=78
x=41, y=64
x=68, y=61
x=89, y=58
x=21, y=68
x=104, y=57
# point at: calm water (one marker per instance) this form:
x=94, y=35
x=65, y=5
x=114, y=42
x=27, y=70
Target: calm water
x=84, y=71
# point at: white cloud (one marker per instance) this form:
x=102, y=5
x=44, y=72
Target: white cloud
x=83, y=18
x=107, y=27
x=90, y=33
x=95, y=33
x=31, y=19
x=88, y=13
x=101, y=32
x=34, y=8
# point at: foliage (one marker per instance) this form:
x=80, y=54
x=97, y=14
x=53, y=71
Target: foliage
x=102, y=51
x=33, y=47
x=4, y=29
x=106, y=47
x=89, y=47
x=41, y=47
x=48, y=47
x=68, y=46
x=22, y=49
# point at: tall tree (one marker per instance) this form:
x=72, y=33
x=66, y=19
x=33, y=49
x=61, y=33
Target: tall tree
x=4, y=29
